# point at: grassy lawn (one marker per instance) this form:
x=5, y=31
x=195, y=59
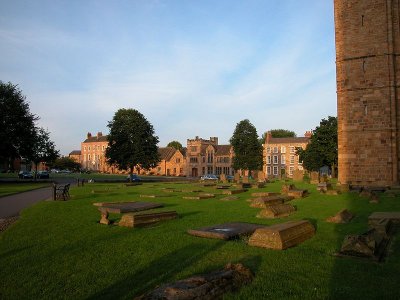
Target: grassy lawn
x=58, y=250
x=14, y=188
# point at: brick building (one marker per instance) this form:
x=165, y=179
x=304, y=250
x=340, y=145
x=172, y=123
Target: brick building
x=172, y=162
x=368, y=88
x=93, y=153
x=75, y=155
x=207, y=157
x=280, y=154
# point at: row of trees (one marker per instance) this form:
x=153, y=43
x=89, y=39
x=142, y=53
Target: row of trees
x=19, y=135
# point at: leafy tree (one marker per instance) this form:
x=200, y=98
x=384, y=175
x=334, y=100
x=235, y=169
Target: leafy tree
x=17, y=124
x=323, y=147
x=247, y=148
x=282, y=133
x=131, y=141
x=66, y=163
x=175, y=144
x=43, y=149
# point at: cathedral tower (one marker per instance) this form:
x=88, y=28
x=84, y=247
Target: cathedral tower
x=368, y=88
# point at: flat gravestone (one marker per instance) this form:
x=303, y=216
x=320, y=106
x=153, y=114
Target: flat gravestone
x=376, y=217
x=282, y=236
x=314, y=177
x=154, y=196
x=222, y=187
x=226, y=231
x=343, y=216
x=206, y=287
x=199, y=197
x=264, y=194
x=276, y=211
x=297, y=193
x=263, y=202
x=144, y=219
x=298, y=175
x=233, y=192
x=230, y=198
x=123, y=207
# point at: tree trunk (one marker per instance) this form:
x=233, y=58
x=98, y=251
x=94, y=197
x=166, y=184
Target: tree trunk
x=333, y=171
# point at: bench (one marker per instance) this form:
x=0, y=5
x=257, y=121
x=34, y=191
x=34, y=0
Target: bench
x=61, y=192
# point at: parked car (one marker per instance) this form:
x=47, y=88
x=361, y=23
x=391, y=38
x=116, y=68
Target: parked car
x=25, y=175
x=133, y=178
x=43, y=175
x=209, y=177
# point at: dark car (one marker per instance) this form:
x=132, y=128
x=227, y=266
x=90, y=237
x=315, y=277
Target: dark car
x=25, y=175
x=133, y=178
x=43, y=175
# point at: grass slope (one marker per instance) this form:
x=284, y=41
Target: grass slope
x=58, y=250
x=12, y=188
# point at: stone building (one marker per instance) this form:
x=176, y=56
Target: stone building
x=280, y=156
x=207, y=157
x=172, y=162
x=75, y=155
x=368, y=87
x=93, y=153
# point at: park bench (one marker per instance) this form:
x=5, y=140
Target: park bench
x=61, y=192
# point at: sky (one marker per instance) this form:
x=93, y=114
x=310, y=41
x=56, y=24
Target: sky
x=191, y=67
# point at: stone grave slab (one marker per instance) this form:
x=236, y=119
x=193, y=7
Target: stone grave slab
x=297, y=193
x=230, y=198
x=192, y=191
x=208, y=184
x=298, y=175
x=343, y=216
x=376, y=217
x=145, y=219
x=154, y=196
x=199, y=197
x=222, y=187
x=205, y=287
x=233, y=192
x=226, y=231
x=264, y=194
x=276, y=211
x=282, y=236
x=286, y=188
x=123, y=207
x=263, y=202
x=324, y=187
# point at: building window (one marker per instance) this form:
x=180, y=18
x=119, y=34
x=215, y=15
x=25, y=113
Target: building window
x=159, y=169
x=292, y=159
x=268, y=149
x=104, y=147
x=283, y=159
x=268, y=170
x=292, y=149
x=291, y=169
x=193, y=148
x=89, y=148
x=204, y=159
x=283, y=149
x=269, y=159
x=275, y=149
x=178, y=160
x=193, y=159
x=275, y=170
x=275, y=158
x=85, y=148
x=89, y=157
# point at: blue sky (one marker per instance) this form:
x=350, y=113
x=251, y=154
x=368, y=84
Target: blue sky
x=192, y=67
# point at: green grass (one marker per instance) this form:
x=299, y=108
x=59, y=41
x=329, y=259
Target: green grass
x=58, y=250
x=14, y=188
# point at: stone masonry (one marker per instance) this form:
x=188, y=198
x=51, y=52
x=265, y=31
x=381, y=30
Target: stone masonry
x=368, y=87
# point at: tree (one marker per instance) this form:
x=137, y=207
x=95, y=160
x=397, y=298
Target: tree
x=66, y=163
x=323, y=147
x=282, y=133
x=17, y=124
x=131, y=141
x=43, y=149
x=175, y=144
x=247, y=148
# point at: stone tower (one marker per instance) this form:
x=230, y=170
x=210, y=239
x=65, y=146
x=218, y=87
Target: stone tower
x=368, y=87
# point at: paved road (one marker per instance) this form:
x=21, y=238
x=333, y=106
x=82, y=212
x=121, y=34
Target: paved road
x=11, y=205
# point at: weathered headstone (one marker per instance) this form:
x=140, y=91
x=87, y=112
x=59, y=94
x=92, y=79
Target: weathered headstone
x=245, y=179
x=297, y=193
x=226, y=231
x=324, y=187
x=343, y=216
x=237, y=177
x=261, y=176
x=298, y=175
x=276, y=211
x=206, y=287
x=286, y=188
x=282, y=236
x=263, y=202
x=314, y=177
x=144, y=219
x=222, y=178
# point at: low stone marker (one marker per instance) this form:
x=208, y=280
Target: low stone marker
x=298, y=175
x=226, y=231
x=324, y=187
x=233, y=192
x=263, y=202
x=264, y=194
x=376, y=217
x=223, y=187
x=276, y=211
x=144, y=219
x=245, y=179
x=222, y=178
x=230, y=198
x=343, y=216
x=314, y=177
x=261, y=176
x=286, y=188
x=297, y=193
x=154, y=196
x=199, y=197
x=282, y=236
x=206, y=287
x=237, y=177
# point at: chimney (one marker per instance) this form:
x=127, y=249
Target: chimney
x=99, y=134
x=268, y=137
x=89, y=135
x=308, y=134
x=214, y=140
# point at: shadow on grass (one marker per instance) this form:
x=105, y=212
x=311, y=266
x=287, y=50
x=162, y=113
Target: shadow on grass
x=159, y=271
